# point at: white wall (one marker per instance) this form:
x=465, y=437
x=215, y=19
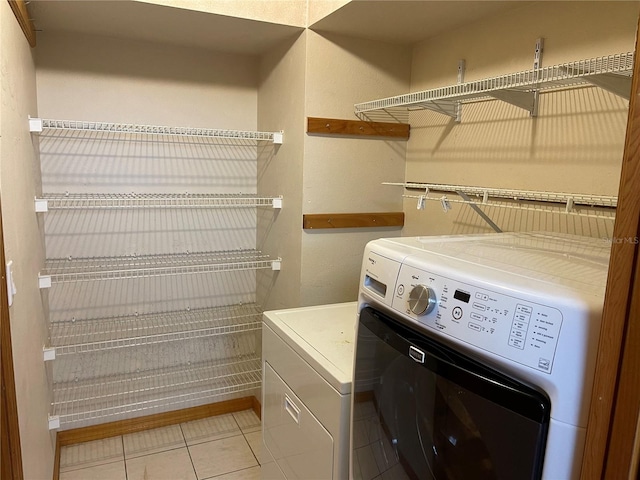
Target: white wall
x=23, y=243
x=574, y=145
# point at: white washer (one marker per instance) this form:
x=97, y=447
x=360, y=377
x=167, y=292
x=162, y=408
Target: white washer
x=307, y=369
x=526, y=304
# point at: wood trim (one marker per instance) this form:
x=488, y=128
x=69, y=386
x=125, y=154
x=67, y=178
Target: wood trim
x=334, y=126
x=56, y=460
x=621, y=460
x=10, y=437
x=316, y=221
x=599, y=457
x=123, y=427
x=19, y=8
x=257, y=407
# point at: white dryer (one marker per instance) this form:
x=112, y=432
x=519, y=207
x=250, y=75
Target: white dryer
x=475, y=355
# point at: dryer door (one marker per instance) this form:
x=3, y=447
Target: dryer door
x=422, y=410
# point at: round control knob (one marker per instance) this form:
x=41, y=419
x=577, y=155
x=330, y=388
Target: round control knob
x=422, y=300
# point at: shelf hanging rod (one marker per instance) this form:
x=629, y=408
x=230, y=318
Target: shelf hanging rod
x=511, y=194
x=422, y=198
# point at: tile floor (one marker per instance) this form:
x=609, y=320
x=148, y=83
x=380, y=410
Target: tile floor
x=225, y=447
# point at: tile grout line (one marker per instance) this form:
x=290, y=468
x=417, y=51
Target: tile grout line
x=124, y=458
x=195, y=472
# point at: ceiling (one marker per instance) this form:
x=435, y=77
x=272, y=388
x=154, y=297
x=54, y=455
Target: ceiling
x=393, y=21
x=160, y=24
x=407, y=21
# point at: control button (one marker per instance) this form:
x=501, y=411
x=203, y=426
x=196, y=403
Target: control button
x=520, y=325
x=475, y=327
x=524, y=309
x=400, y=290
x=457, y=313
x=482, y=296
x=476, y=316
x=479, y=306
x=516, y=343
x=518, y=333
x=522, y=317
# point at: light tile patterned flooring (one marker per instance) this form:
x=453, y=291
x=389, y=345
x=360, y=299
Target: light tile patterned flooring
x=224, y=447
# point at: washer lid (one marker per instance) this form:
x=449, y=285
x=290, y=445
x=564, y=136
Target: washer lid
x=323, y=336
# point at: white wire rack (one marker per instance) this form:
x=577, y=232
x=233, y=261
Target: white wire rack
x=611, y=72
x=100, y=334
x=41, y=125
x=485, y=195
x=86, y=201
x=101, y=398
x=58, y=270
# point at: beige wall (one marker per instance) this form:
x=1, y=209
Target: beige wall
x=341, y=174
x=282, y=86
x=19, y=184
x=574, y=145
x=85, y=77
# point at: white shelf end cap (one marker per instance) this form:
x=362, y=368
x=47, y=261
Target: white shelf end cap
x=44, y=281
x=278, y=137
x=277, y=202
x=276, y=265
x=54, y=422
x=49, y=353
x=35, y=124
x=41, y=205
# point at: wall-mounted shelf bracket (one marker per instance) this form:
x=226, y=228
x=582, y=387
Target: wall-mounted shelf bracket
x=462, y=67
x=49, y=353
x=54, y=422
x=619, y=85
x=44, y=281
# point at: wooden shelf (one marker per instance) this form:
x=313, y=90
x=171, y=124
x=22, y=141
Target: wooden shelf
x=333, y=126
x=319, y=221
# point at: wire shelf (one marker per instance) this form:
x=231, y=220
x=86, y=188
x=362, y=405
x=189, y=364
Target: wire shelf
x=101, y=398
x=86, y=201
x=511, y=194
x=137, y=266
x=601, y=71
x=100, y=334
x=38, y=125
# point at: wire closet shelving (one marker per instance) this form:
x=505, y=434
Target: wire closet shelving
x=183, y=374
x=612, y=73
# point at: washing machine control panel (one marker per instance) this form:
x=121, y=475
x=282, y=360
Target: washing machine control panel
x=521, y=330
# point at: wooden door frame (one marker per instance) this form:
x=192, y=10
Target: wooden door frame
x=611, y=450
x=10, y=441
